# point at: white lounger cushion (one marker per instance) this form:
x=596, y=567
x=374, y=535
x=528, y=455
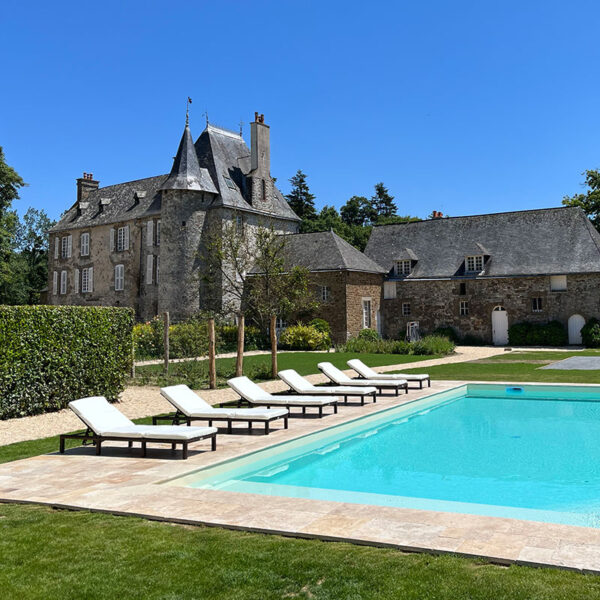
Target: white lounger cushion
x=105, y=420
x=339, y=377
x=251, y=392
x=192, y=405
x=368, y=373
x=302, y=386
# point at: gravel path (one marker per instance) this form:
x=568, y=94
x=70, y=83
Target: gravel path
x=143, y=401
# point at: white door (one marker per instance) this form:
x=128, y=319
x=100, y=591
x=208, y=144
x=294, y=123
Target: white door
x=500, y=326
x=576, y=322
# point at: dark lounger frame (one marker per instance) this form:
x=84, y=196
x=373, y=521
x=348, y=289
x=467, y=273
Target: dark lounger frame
x=180, y=417
x=243, y=402
x=420, y=382
x=97, y=440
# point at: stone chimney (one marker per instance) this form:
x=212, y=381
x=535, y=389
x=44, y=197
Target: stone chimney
x=85, y=185
x=260, y=147
x=260, y=189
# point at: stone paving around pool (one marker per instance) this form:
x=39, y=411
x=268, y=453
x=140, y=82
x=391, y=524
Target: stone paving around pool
x=576, y=363
x=121, y=482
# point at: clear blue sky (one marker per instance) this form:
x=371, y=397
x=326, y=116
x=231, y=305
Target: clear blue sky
x=464, y=107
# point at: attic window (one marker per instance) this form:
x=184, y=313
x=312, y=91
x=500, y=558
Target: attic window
x=474, y=264
x=403, y=267
x=228, y=181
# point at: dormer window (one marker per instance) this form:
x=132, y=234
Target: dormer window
x=403, y=267
x=228, y=181
x=474, y=264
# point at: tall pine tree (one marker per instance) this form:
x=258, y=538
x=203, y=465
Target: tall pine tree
x=382, y=202
x=301, y=201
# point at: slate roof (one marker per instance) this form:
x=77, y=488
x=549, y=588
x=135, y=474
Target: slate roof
x=222, y=155
x=186, y=173
x=326, y=251
x=532, y=242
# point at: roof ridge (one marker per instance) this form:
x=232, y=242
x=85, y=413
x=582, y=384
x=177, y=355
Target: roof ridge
x=493, y=214
x=132, y=181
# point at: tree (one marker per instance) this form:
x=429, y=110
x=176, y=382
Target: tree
x=358, y=211
x=10, y=183
x=277, y=291
x=382, y=202
x=301, y=201
x=590, y=200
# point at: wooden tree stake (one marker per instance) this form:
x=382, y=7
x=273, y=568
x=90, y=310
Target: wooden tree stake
x=273, y=331
x=166, y=341
x=212, y=365
x=239, y=362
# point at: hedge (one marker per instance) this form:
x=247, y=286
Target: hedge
x=590, y=333
x=50, y=355
x=537, y=334
x=430, y=344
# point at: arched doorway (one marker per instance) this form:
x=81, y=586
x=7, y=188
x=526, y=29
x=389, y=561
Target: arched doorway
x=500, y=326
x=576, y=322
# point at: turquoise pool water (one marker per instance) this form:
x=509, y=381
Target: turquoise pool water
x=529, y=452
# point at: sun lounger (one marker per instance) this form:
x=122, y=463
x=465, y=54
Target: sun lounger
x=191, y=407
x=368, y=373
x=302, y=386
x=340, y=378
x=105, y=423
x=253, y=394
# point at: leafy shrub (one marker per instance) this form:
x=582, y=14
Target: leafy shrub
x=590, y=333
x=472, y=340
x=303, y=337
x=447, y=332
x=433, y=344
x=321, y=325
x=427, y=345
x=188, y=340
x=537, y=334
x=50, y=355
x=259, y=371
x=369, y=334
x=148, y=339
x=254, y=339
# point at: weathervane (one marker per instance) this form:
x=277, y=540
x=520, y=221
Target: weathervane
x=187, y=111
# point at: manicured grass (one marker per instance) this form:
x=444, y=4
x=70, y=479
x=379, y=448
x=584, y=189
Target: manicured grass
x=500, y=369
x=257, y=367
x=51, y=554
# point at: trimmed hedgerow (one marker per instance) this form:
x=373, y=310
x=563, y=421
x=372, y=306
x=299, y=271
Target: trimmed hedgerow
x=537, y=334
x=50, y=355
x=430, y=344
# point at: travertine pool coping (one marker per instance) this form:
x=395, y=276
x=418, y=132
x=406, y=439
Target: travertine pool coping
x=121, y=482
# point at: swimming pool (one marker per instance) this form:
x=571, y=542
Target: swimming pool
x=523, y=451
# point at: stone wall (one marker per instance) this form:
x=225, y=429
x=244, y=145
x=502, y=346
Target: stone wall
x=437, y=303
x=358, y=287
x=103, y=261
x=334, y=311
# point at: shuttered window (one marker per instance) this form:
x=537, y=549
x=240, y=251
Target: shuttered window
x=150, y=233
x=55, y=281
x=76, y=281
x=157, y=268
x=119, y=278
x=158, y=232
x=56, y=244
x=84, y=245
x=67, y=245
x=87, y=280
x=149, y=268
x=123, y=238
x=63, y=282
x=112, y=240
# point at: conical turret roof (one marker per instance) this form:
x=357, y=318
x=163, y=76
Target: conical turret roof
x=186, y=173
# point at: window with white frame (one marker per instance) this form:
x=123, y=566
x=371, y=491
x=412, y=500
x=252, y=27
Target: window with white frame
x=389, y=289
x=325, y=293
x=87, y=280
x=403, y=267
x=558, y=283
x=463, y=309
x=239, y=224
x=55, y=283
x=406, y=309
x=474, y=264
x=149, y=268
x=366, y=313
x=158, y=232
x=67, y=244
x=63, y=282
x=536, y=305
x=123, y=238
x=119, y=278
x=84, y=244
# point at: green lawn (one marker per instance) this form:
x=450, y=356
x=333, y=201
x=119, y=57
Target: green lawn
x=50, y=554
x=258, y=367
x=501, y=368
